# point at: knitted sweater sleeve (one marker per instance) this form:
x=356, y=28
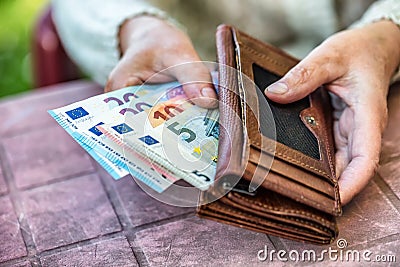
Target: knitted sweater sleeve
x=383, y=9
x=89, y=31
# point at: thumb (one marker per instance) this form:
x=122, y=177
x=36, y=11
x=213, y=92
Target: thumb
x=304, y=78
x=196, y=81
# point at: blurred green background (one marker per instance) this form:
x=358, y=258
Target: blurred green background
x=16, y=23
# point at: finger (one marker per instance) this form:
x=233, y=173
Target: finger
x=188, y=70
x=355, y=177
x=194, y=76
x=196, y=81
x=134, y=69
x=318, y=68
x=341, y=155
x=117, y=83
x=123, y=74
x=364, y=149
x=341, y=160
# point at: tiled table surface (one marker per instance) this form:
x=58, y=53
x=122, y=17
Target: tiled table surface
x=59, y=208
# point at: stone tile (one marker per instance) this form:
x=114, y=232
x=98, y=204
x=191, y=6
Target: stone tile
x=23, y=112
x=339, y=263
x=115, y=252
x=368, y=217
x=390, y=172
x=12, y=245
x=68, y=212
x=3, y=186
x=45, y=155
x=22, y=264
x=142, y=208
x=201, y=242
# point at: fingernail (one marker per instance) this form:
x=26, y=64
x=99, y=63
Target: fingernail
x=277, y=88
x=208, y=92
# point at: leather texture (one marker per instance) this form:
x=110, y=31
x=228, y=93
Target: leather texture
x=289, y=150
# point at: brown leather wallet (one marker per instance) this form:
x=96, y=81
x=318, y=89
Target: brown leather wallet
x=294, y=164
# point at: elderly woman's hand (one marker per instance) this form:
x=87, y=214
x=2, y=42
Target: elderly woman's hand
x=356, y=67
x=150, y=45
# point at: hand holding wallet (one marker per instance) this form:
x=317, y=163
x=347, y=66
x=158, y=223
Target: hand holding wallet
x=290, y=153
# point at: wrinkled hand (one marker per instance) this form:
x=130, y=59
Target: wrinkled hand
x=356, y=67
x=150, y=45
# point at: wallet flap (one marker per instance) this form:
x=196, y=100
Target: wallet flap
x=232, y=139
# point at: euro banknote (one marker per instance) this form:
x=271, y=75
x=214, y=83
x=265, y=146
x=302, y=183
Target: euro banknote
x=148, y=109
x=81, y=118
x=175, y=137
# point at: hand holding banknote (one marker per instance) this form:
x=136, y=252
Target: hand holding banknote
x=150, y=45
x=152, y=121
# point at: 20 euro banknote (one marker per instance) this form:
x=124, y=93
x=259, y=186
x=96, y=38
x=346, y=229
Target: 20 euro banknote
x=81, y=118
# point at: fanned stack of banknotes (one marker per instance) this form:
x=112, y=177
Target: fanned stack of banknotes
x=152, y=132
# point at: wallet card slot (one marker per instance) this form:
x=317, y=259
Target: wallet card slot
x=318, y=119
x=296, y=191
x=292, y=172
x=294, y=157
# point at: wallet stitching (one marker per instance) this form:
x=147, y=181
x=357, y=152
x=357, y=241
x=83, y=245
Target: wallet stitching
x=254, y=52
x=322, y=228
x=292, y=160
x=285, y=210
x=328, y=150
x=276, y=223
x=331, y=167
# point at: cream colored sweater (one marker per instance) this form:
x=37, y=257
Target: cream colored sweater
x=89, y=28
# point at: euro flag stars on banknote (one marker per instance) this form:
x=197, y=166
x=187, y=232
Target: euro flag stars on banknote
x=152, y=132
